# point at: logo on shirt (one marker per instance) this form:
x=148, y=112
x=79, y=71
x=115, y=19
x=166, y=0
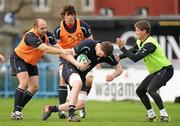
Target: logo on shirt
x=19, y=68
x=143, y=50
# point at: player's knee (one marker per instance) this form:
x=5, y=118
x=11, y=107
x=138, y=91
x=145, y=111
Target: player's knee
x=151, y=91
x=36, y=88
x=140, y=92
x=89, y=81
x=33, y=88
x=75, y=80
x=23, y=83
x=77, y=83
x=22, y=86
x=62, y=82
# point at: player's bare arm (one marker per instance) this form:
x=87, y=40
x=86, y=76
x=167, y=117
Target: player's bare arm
x=51, y=50
x=118, y=70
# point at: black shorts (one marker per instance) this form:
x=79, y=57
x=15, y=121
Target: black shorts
x=18, y=65
x=62, y=61
x=69, y=69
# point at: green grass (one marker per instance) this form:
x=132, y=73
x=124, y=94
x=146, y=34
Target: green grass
x=124, y=113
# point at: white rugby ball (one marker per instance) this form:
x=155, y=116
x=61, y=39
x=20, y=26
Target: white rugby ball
x=82, y=58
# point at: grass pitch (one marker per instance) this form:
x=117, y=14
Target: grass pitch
x=122, y=113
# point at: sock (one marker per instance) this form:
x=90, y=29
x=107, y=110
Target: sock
x=18, y=96
x=151, y=113
x=163, y=112
x=71, y=110
x=63, y=112
x=62, y=94
x=53, y=108
x=26, y=98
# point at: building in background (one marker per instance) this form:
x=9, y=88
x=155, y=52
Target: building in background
x=17, y=16
x=23, y=12
x=136, y=7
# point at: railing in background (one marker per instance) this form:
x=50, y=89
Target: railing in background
x=48, y=80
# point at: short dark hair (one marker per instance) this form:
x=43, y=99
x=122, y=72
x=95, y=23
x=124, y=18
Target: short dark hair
x=143, y=25
x=107, y=47
x=69, y=9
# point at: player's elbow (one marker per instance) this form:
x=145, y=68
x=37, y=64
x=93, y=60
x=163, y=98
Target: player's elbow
x=44, y=48
x=120, y=71
x=135, y=59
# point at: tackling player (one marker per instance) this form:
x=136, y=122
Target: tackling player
x=23, y=62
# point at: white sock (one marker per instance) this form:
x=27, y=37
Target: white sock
x=163, y=112
x=151, y=113
x=63, y=112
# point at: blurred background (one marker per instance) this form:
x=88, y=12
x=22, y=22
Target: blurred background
x=107, y=19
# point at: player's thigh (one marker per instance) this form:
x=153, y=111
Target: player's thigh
x=142, y=88
x=19, y=68
x=67, y=71
x=75, y=80
x=160, y=79
x=23, y=78
x=17, y=64
x=33, y=83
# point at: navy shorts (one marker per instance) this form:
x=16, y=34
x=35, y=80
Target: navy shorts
x=69, y=69
x=62, y=61
x=19, y=65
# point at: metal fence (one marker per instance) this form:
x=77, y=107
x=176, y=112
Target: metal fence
x=48, y=80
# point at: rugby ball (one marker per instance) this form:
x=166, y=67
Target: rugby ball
x=82, y=58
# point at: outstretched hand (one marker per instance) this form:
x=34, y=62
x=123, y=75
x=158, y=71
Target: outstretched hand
x=120, y=42
x=109, y=78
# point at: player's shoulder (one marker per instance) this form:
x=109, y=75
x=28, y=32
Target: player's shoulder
x=89, y=41
x=49, y=34
x=57, y=27
x=112, y=60
x=83, y=23
x=30, y=35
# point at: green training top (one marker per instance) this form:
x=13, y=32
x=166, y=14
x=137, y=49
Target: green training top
x=156, y=60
